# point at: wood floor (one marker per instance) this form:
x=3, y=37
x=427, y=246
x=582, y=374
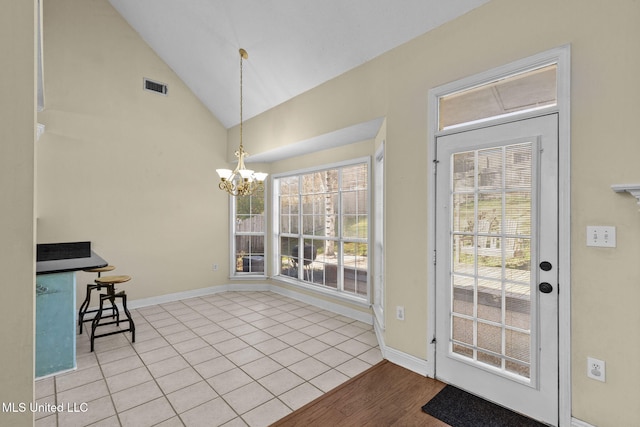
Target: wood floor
x=384, y=395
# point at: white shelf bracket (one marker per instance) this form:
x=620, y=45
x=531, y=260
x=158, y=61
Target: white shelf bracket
x=633, y=189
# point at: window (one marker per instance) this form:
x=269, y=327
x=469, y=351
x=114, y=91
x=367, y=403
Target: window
x=249, y=228
x=322, y=230
x=516, y=94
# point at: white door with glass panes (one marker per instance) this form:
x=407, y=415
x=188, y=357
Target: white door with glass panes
x=497, y=264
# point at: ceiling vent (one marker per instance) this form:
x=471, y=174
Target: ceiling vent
x=157, y=87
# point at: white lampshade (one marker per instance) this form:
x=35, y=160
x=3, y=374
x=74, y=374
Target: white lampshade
x=260, y=176
x=245, y=173
x=224, y=173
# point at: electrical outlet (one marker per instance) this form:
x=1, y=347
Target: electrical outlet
x=400, y=312
x=215, y=267
x=595, y=369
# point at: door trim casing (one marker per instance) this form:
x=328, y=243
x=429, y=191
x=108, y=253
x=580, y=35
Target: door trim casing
x=562, y=57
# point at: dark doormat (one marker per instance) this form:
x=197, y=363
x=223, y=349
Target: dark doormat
x=461, y=409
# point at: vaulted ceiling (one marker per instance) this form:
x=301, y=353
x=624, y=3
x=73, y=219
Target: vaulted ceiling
x=293, y=45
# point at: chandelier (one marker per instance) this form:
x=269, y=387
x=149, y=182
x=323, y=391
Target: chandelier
x=241, y=181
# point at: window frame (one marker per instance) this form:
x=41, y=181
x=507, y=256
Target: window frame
x=233, y=273
x=529, y=110
x=276, y=235
x=378, y=298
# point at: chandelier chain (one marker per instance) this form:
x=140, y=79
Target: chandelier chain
x=241, y=181
x=241, y=57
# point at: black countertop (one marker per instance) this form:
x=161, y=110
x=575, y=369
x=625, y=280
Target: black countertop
x=70, y=264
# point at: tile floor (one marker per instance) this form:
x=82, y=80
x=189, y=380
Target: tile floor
x=232, y=359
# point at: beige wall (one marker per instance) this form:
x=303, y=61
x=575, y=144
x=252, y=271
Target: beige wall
x=134, y=172
x=17, y=231
x=605, y=68
x=130, y=170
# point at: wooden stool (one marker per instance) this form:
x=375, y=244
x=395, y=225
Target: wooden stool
x=90, y=287
x=109, y=282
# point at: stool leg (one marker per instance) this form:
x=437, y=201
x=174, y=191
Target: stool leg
x=115, y=313
x=85, y=306
x=132, y=326
x=95, y=321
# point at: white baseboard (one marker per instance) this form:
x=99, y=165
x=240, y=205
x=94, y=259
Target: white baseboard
x=260, y=287
x=578, y=423
x=163, y=299
x=405, y=360
x=400, y=358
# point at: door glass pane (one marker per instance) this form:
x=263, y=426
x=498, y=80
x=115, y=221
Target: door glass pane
x=490, y=231
x=464, y=254
x=463, y=172
x=490, y=169
x=462, y=330
x=463, y=295
x=518, y=305
x=490, y=300
x=490, y=337
x=465, y=218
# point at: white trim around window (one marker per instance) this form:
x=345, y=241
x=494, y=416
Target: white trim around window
x=378, y=297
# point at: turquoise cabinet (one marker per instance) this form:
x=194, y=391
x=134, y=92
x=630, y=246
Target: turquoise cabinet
x=55, y=323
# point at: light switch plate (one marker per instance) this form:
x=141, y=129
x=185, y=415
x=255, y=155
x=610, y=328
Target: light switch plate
x=601, y=235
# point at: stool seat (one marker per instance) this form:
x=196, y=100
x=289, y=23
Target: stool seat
x=100, y=269
x=84, y=307
x=108, y=280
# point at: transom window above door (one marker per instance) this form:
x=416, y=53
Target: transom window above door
x=516, y=94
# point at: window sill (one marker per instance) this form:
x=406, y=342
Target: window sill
x=249, y=277
x=335, y=295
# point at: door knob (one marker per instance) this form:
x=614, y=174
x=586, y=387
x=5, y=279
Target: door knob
x=545, y=265
x=545, y=287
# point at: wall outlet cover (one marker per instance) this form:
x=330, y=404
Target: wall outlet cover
x=596, y=369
